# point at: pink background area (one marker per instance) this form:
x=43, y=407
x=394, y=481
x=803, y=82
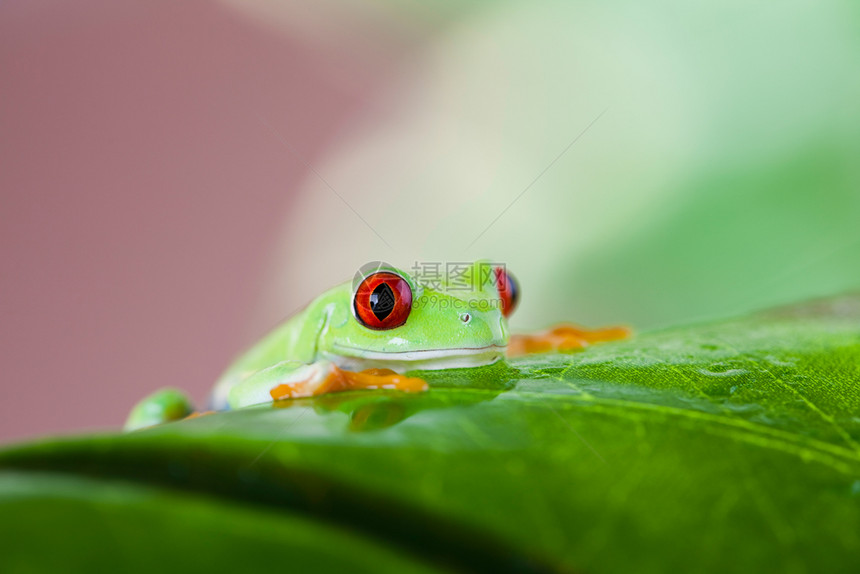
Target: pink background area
x=140, y=193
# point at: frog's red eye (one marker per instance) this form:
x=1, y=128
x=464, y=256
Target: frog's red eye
x=383, y=300
x=509, y=291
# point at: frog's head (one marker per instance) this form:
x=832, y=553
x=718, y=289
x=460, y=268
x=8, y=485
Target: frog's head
x=388, y=318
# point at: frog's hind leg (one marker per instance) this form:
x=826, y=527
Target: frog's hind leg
x=564, y=337
x=162, y=406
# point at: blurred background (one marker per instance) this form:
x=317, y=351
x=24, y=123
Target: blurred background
x=176, y=178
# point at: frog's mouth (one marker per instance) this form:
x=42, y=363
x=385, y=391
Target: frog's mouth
x=426, y=359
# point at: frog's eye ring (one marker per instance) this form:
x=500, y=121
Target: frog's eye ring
x=382, y=301
x=509, y=290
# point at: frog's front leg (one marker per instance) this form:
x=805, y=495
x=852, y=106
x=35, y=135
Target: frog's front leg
x=291, y=379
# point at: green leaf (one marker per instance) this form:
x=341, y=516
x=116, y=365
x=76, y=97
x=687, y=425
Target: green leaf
x=54, y=523
x=722, y=447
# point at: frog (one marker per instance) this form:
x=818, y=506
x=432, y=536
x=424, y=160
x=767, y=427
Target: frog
x=365, y=334
x=359, y=335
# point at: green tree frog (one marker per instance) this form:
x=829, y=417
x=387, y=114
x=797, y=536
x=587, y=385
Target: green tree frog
x=361, y=334
x=383, y=322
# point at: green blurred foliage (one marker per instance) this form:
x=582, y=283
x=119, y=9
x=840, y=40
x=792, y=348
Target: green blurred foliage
x=764, y=208
x=734, y=240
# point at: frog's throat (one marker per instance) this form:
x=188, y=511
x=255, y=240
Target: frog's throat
x=352, y=358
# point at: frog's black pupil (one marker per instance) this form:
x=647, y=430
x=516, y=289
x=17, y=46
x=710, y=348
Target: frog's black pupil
x=382, y=301
x=515, y=291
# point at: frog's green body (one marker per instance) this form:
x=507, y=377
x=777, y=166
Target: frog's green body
x=446, y=327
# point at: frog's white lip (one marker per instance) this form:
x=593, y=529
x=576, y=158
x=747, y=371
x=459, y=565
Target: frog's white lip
x=353, y=357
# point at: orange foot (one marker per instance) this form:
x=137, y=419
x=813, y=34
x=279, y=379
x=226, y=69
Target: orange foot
x=339, y=380
x=564, y=337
